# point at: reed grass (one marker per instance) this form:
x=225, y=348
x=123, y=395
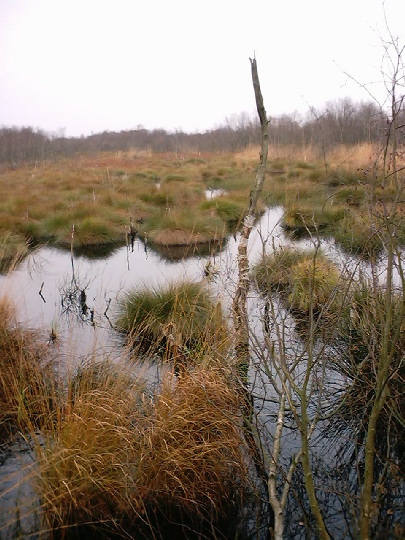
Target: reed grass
x=29, y=389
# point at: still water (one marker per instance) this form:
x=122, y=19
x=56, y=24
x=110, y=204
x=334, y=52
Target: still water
x=47, y=286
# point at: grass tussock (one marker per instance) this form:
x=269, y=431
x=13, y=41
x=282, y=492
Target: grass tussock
x=175, y=320
x=183, y=227
x=121, y=463
x=13, y=249
x=358, y=233
x=305, y=279
x=360, y=348
x=194, y=446
x=230, y=211
x=28, y=386
x=302, y=221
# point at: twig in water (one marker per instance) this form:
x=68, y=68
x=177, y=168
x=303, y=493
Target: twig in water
x=40, y=292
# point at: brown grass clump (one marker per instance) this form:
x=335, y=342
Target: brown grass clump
x=88, y=466
x=193, y=456
x=123, y=464
x=28, y=387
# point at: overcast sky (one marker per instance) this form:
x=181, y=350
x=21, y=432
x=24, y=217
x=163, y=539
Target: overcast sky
x=93, y=65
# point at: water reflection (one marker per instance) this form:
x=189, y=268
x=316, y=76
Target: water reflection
x=213, y=193
x=177, y=253
x=52, y=290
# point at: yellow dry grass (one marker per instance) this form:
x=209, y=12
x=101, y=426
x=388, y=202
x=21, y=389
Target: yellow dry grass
x=28, y=386
x=118, y=457
x=351, y=157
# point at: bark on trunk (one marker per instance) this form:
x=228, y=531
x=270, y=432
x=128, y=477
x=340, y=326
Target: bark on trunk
x=240, y=299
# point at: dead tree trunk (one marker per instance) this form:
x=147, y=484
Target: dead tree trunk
x=240, y=299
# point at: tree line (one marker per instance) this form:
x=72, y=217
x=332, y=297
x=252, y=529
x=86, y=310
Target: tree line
x=338, y=122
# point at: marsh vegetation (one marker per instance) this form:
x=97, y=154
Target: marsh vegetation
x=276, y=407
x=116, y=456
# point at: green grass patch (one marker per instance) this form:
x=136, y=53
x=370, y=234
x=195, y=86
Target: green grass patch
x=301, y=221
x=358, y=234
x=344, y=178
x=157, y=198
x=352, y=196
x=304, y=165
x=94, y=230
x=183, y=226
x=175, y=178
x=227, y=209
x=13, y=249
x=315, y=176
x=174, y=319
x=58, y=226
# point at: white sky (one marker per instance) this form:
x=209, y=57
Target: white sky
x=94, y=65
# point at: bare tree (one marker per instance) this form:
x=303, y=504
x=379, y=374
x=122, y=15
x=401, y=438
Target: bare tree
x=239, y=302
